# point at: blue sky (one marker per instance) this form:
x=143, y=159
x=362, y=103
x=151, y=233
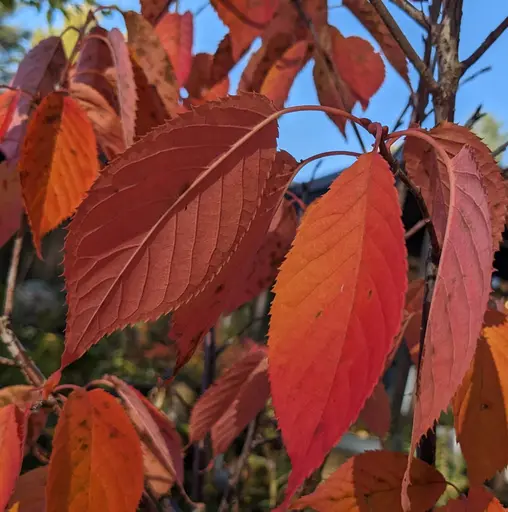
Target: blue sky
x=307, y=133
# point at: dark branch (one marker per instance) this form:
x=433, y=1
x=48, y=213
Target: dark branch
x=405, y=44
x=489, y=41
x=501, y=149
x=412, y=11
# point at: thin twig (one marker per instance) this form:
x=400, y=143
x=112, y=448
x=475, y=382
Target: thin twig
x=400, y=119
x=487, y=43
x=233, y=482
x=419, y=225
x=500, y=149
x=412, y=11
x=5, y=361
x=13, y=270
x=486, y=69
x=405, y=45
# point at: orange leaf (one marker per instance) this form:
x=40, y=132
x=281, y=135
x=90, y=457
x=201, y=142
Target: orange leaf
x=375, y=414
x=428, y=171
x=125, y=84
x=478, y=499
x=281, y=76
x=12, y=441
x=232, y=401
x=30, y=491
x=192, y=320
x=460, y=296
x=245, y=20
x=338, y=304
x=479, y=406
x=161, y=444
x=372, y=481
x=106, y=124
x=153, y=59
x=370, y=19
x=37, y=74
x=162, y=258
x=360, y=66
x=96, y=462
x=58, y=163
x=8, y=103
x=175, y=32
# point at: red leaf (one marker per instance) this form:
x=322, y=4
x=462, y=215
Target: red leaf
x=281, y=76
x=96, y=461
x=232, y=401
x=37, y=74
x=30, y=491
x=152, y=58
x=195, y=318
x=161, y=444
x=125, y=84
x=337, y=307
x=429, y=172
x=119, y=273
x=58, y=163
x=360, y=66
x=8, y=103
x=370, y=19
x=375, y=414
x=152, y=10
x=245, y=19
x=478, y=499
x=223, y=61
x=372, y=481
x=175, y=32
x=12, y=441
x=199, y=84
x=460, y=296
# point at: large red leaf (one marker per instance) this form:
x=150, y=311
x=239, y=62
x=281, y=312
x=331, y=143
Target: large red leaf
x=428, y=170
x=281, y=76
x=370, y=19
x=161, y=444
x=175, y=32
x=96, y=462
x=12, y=441
x=372, y=481
x=58, y=163
x=143, y=243
x=245, y=19
x=153, y=59
x=30, y=491
x=125, y=84
x=460, y=296
x=233, y=400
x=479, y=407
x=37, y=74
x=191, y=321
x=338, y=304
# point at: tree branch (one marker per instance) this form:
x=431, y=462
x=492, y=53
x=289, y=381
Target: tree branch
x=412, y=12
x=405, y=44
x=487, y=43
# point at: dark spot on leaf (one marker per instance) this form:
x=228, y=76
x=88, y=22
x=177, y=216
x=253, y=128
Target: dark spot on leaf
x=319, y=313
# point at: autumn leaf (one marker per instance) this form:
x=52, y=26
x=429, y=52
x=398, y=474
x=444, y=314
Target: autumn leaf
x=375, y=414
x=361, y=68
x=427, y=169
x=370, y=19
x=138, y=277
x=96, y=462
x=106, y=123
x=30, y=491
x=372, y=481
x=152, y=58
x=460, y=296
x=125, y=84
x=161, y=444
x=12, y=441
x=37, y=74
x=8, y=103
x=58, y=163
x=192, y=320
x=152, y=10
x=232, y=401
x=338, y=303
x=479, y=406
x=478, y=499
x=281, y=76
x=175, y=32
x=223, y=61
x=246, y=20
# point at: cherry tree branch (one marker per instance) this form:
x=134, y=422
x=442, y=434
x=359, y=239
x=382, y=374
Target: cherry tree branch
x=412, y=12
x=487, y=43
x=405, y=45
